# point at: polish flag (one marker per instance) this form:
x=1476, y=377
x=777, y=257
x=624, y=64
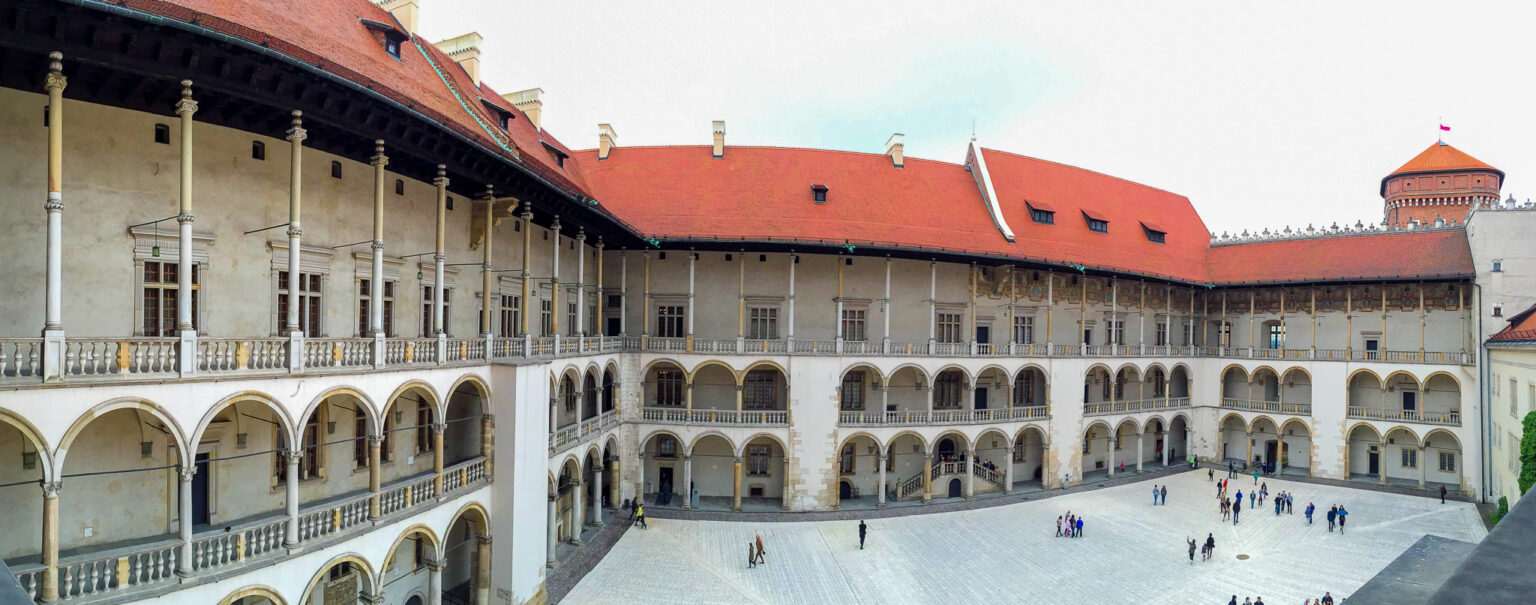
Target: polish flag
x=1444, y=128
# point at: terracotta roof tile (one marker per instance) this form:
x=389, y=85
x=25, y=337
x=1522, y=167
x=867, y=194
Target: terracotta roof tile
x=1522, y=327
x=1441, y=157
x=1397, y=255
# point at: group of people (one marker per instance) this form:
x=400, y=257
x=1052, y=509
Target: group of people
x=1159, y=495
x=1337, y=513
x=1073, y=527
x=755, y=549
x=1326, y=600
x=1207, y=550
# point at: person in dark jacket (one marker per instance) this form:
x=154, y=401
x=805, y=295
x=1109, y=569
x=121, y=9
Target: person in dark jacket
x=1333, y=513
x=1237, y=508
x=1079, y=533
x=862, y=530
x=1342, y=515
x=1442, y=494
x=1165, y=495
x=1191, y=550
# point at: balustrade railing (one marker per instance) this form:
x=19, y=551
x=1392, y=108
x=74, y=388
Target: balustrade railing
x=708, y=416
x=1258, y=405
x=990, y=476
x=242, y=355
x=764, y=346
x=909, y=486
x=101, y=356
x=1450, y=418
x=20, y=357
x=100, y=575
x=338, y=352
x=816, y=347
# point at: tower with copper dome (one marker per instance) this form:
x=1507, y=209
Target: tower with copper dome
x=1441, y=183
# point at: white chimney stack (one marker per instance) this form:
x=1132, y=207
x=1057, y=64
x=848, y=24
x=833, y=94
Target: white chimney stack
x=527, y=101
x=464, y=50
x=718, y=128
x=404, y=11
x=606, y=138
x=894, y=148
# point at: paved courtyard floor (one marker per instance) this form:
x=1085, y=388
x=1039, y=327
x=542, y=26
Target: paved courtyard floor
x=1131, y=551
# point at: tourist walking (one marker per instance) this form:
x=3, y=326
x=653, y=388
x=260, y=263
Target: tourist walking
x=1079, y=528
x=1210, y=474
x=1333, y=513
x=1310, y=508
x=760, y=550
x=1442, y=494
x=1290, y=503
x=1232, y=472
x=1237, y=509
x=1239, y=497
x=640, y=514
x=862, y=530
x=1165, y=494
x=1154, y=494
x=751, y=555
x=1343, y=514
x=1255, y=477
x=1058, y=526
x=1327, y=599
x=1191, y=550
x=1210, y=545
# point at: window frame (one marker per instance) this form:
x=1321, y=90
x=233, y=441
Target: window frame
x=671, y=320
x=853, y=326
x=762, y=322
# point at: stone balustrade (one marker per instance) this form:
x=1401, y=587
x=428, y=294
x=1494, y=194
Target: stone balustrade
x=719, y=417
x=1259, y=405
x=1102, y=408
x=1448, y=418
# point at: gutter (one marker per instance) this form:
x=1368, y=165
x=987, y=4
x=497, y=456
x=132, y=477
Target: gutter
x=1484, y=422
x=158, y=20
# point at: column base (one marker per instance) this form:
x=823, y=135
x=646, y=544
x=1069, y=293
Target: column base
x=736, y=509
x=296, y=351
x=378, y=350
x=187, y=355
x=879, y=505
x=551, y=564
x=53, y=355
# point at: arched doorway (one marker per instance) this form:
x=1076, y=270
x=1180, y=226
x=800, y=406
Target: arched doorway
x=1365, y=455
x=467, y=558
x=1297, y=456
x=410, y=565
x=844, y=491
x=956, y=488
x=858, y=469
x=345, y=579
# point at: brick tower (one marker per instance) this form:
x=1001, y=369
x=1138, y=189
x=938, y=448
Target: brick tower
x=1442, y=182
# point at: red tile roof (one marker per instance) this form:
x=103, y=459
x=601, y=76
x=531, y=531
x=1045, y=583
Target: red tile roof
x=1388, y=255
x=1522, y=327
x=1441, y=157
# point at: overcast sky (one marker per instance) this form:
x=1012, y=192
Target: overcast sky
x=1261, y=114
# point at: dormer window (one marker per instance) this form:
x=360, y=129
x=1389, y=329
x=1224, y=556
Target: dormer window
x=1097, y=223
x=819, y=193
x=1041, y=213
x=387, y=35
x=392, y=47
x=1155, y=233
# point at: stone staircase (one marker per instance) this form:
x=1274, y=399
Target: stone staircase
x=912, y=487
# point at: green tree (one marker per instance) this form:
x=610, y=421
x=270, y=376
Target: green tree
x=1528, y=453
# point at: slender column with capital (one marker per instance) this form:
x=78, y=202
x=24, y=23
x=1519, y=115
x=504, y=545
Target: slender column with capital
x=296, y=136
x=434, y=581
x=597, y=293
x=927, y=476
x=790, y=343
x=640, y=477
x=736, y=485
x=437, y=457
x=53, y=326
x=375, y=448
x=376, y=283
x=527, y=276
x=693, y=259
x=1114, y=438
x=623, y=292
x=687, y=481
x=291, y=490
x=554, y=283
x=933, y=311
x=485, y=264
x=438, y=255
x=880, y=463
x=838, y=314
x=1138, y=452
x=645, y=298
x=581, y=283
x=184, y=514
x=885, y=311
x=597, y=495
x=549, y=553
x=576, y=510
x=1248, y=447
x=184, y=295
x=1008, y=469
x=970, y=474
x=482, y=569
x=50, y=555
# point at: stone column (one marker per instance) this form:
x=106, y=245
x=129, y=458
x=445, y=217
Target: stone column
x=1114, y=437
x=527, y=277
x=790, y=334
x=482, y=570
x=1138, y=452
x=1008, y=468
x=885, y=312
x=554, y=283
x=296, y=136
x=933, y=309
x=434, y=581
x=1248, y=446
x=597, y=495
x=576, y=510
x=549, y=555
x=184, y=514
x=437, y=457
x=930, y=400
x=881, y=462
x=184, y=321
x=970, y=474
x=291, y=490
x=1167, y=438
x=488, y=439
x=375, y=447
x=1381, y=462
x=736, y=486
x=687, y=481
x=53, y=326
x=623, y=292
x=640, y=475
x=50, y=555
x=740, y=391
x=927, y=476
x=693, y=258
x=376, y=277
x=581, y=283
x=485, y=264
x=438, y=255
x=1422, y=464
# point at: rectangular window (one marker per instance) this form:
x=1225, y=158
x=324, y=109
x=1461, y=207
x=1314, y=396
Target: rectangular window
x=304, y=292
x=1162, y=334
x=1114, y=332
x=1447, y=462
x=161, y=295
x=360, y=441
x=666, y=447
x=1154, y=236
x=1410, y=458
x=669, y=321
x=1044, y=217
x=1224, y=334
x=571, y=326
x=423, y=428
x=757, y=460
x=309, y=468
x=1276, y=336
x=947, y=327
x=1024, y=388
x=853, y=391
x=853, y=325
x=1514, y=398
x=426, y=311
x=546, y=317
x=845, y=460
x=669, y=388
x=763, y=323
x=279, y=462
x=365, y=301
x=1024, y=329
x=760, y=391
x=511, y=315
x=946, y=391
x=1098, y=226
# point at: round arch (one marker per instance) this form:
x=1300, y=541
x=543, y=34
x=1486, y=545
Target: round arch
x=693, y=372
x=849, y=439
x=729, y=443
x=1031, y=366
x=1231, y=367
x=1131, y=420
x=1350, y=380
x=433, y=399
x=571, y=459
x=1180, y=416
x=1297, y=369
x=1438, y=432
x=1098, y=423
x=611, y=369
x=663, y=361
x=862, y=366
x=1362, y=425
x=1128, y=365
x=419, y=528
x=920, y=371
x=921, y=441
x=741, y=450
x=481, y=518
x=178, y=436
x=992, y=431
x=1256, y=419
x=256, y=590
x=969, y=378
x=31, y=434
x=1404, y=373
x=352, y=558
x=1296, y=422
x=1228, y=416
x=1148, y=423
x=993, y=366
x=1395, y=428
x=658, y=432
x=1262, y=369
x=1099, y=367
x=1044, y=436
x=264, y=399
x=760, y=364
x=1444, y=373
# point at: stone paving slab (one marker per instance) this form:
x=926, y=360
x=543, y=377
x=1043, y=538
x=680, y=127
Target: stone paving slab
x=1131, y=552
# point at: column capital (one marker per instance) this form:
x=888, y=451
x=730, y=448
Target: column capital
x=296, y=132
x=185, y=217
x=439, y=427
x=55, y=79
x=377, y=244
x=555, y=226
x=378, y=159
x=483, y=540
x=552, y=497
x=293, y=456
x=186, y=106
x=432, y=564
x=488, y=417
x=442, y=176
x=597, y=468
x=581, y=234
x=738, y=460
x=599, y=243
x=187, y=473
x=51, y=488
x=375, y=440
x=294, y=230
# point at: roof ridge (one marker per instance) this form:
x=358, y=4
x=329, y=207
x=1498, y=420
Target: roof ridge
x=780, y=147
x=1090, y=171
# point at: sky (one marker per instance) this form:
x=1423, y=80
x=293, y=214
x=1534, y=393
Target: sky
x=1262, y=114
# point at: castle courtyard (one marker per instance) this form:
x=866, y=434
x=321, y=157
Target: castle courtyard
x=1131, y=551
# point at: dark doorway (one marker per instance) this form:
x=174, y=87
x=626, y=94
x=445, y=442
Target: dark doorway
x=1410, y=401
x=613, y=326
x=1373, y=465
x=981, y=398
x=1038, y=471
x=664, y=485
x=955, y=490
x=1271, y=452
x=844, y=490
x=947, y=448
x=200, y=491
x=983, y=334
x=415, y=600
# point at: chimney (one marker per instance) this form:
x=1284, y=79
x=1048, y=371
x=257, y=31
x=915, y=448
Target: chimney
x=605, y=140
x=893, y=148
x=464, y=50
x=719, y=129
x=528, y=102
x=403, y=10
